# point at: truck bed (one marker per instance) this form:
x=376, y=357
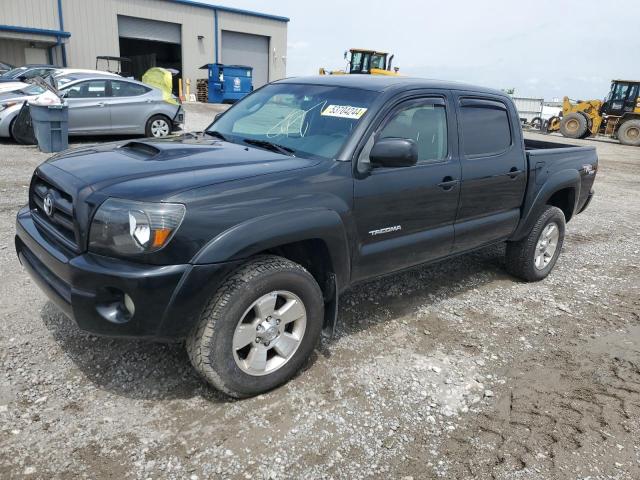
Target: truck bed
x=530, y=144
x=546, y=159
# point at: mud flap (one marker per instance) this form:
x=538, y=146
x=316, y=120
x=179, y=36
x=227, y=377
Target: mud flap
x=330, y=307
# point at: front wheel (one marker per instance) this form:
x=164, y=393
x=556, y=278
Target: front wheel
x=574, y=125
x=258, y=328
x=533, y=257
x=158, y=126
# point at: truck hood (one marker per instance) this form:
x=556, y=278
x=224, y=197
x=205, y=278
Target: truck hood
x=156, y=169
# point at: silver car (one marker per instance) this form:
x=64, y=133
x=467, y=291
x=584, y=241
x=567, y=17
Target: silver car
x=100, y=104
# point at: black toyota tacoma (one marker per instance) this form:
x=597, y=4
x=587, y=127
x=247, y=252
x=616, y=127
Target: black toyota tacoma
x=240, y=239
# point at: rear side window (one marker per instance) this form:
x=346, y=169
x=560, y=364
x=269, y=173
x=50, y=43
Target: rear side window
x=127, y=89
x=485, y=128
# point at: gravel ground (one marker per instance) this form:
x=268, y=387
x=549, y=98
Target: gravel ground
x=454, y=370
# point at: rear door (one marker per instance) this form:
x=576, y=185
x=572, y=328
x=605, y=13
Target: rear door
x=88, y=109
x=130, y=105
x=493, y=170
x=404, y=216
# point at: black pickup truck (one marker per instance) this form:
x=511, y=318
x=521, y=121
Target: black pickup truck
x=239, y=239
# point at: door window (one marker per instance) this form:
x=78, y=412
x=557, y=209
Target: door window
x=424, y=123
x=485, y=129
x=127, y=89
x=89, y=89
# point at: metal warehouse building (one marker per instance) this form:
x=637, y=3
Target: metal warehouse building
x=180, y=34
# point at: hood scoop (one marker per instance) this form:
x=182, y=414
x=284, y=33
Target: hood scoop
x=140, y=150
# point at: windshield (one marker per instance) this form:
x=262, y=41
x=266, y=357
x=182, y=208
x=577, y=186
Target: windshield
x=307, y=120
x=13, y=73
x=33, y=90
x=59, y=83
x=378, y=61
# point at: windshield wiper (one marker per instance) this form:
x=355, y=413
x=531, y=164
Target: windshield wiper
x=216, y=134
x=274, y=147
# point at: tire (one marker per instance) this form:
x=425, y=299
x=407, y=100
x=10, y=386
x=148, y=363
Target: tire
x=215, y=346
x=629, y=133
x=573, y=125
x=536, y=122
x=521, y=257
x=158, y=126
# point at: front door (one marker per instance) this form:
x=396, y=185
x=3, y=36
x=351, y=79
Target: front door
x=405, y=215
x=493, y=171
x=88, y=108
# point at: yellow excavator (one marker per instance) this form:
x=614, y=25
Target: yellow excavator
x=618, y=116
x=367, y=62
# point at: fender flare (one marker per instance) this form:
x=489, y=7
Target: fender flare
x=532, y=209
x=270, y=231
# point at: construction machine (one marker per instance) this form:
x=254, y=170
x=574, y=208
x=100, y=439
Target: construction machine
x=617, y=116
x=367, y=62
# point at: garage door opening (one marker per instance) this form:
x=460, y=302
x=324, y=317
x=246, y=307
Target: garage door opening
x=150, y=43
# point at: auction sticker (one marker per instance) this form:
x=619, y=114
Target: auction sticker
x=344, y=111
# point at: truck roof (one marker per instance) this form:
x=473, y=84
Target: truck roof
x=381, y=83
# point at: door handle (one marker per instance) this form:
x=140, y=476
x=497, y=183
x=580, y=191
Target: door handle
x=100, y=104
x=448, y=183
x=514, y=172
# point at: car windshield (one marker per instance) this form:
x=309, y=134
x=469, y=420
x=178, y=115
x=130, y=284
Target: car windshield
x=13, y=73
x=59, y=83
x=311, y=121
x=32, y=90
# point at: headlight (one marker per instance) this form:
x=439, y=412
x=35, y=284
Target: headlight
x=127, y=227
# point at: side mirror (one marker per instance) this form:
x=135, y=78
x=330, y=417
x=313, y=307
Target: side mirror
x=394, y=152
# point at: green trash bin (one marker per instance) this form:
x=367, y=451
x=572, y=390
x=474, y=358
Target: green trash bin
x=51, y=126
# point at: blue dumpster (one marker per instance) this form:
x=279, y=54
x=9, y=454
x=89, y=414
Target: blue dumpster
x=229, y=83
x=50, y=126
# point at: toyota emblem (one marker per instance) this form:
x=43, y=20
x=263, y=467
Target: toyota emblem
x=48, y=204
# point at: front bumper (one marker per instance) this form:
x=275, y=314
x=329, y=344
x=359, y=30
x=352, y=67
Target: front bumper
x=90, y=288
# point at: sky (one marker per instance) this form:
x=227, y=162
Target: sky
x=542, y=48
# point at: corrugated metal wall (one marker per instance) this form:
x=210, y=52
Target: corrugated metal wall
x=12, y=51
x=30, y=13
x=94, y=29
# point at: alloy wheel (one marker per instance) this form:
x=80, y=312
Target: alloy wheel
x=269, y=333
x=546, y=246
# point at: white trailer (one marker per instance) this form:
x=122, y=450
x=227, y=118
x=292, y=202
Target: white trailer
x=529, y=108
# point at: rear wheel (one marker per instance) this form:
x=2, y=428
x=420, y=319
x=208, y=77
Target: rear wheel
x=258, y=328
x=158, y=126
x=574, y=125
x=629, y=133
x=533, y=257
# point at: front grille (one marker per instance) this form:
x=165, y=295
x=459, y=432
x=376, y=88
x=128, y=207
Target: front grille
x=59, y=221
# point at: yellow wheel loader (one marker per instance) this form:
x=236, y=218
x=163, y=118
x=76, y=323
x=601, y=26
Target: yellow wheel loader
x=618, y=116
x=367, y=62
